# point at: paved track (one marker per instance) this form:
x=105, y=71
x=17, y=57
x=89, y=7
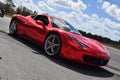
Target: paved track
x=22, y=60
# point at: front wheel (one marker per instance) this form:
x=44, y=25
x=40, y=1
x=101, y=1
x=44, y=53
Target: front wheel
x=13, y=27
x=52, y=45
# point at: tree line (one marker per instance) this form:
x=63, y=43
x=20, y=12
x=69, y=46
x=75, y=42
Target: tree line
x=101, y=39
x=10, y=8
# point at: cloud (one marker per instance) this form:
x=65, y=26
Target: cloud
x=2, y=0
x=99, y=1
x=111, y=24
x=69, y=4
x=92, y=24
x=43, y=6
x=112, y=10
x=28, y=4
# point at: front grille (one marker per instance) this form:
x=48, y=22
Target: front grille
x=94, y=60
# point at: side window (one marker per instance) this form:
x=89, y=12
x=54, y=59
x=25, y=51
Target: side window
x=44, y=19
x=54, y=24
x=33, y=16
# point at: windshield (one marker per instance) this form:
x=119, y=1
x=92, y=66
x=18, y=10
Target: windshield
x=59, y=23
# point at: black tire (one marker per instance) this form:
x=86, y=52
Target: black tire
x=52, y=45
x=13, y=27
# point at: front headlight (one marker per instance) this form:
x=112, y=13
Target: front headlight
x=79, y=42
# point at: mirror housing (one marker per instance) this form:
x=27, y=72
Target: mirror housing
x=40, y=22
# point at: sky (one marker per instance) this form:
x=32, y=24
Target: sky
x=100, y=17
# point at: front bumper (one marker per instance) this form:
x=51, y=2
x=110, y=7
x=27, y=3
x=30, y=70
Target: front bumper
x=95, y=60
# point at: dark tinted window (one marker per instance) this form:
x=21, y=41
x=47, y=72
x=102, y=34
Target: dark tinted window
x=44, y=19
x=33, y=16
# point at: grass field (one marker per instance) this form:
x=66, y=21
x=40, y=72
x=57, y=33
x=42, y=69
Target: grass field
x=114, y=46
x=8, y=15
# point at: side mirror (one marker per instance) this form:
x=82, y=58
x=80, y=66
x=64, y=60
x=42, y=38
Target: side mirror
x=40, y=22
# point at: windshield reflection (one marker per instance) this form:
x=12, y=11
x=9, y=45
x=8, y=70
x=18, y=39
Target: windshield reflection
x=59, y=23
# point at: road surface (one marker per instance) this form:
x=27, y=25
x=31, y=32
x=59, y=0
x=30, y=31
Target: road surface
x=22, y=60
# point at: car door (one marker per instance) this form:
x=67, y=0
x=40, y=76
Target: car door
x=35, y=31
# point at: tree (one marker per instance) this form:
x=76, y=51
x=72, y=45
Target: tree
x=24, y=10
x=9, y=6
x=119, y=42
x=35, y=12
x=2, y=5
x=19, y=10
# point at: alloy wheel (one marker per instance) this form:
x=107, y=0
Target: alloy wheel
x=13, y=27
x=52, y=45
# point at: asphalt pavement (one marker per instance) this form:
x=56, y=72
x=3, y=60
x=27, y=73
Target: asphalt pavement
x=22, y=60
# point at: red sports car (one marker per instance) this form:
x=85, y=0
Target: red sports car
x=59, y=38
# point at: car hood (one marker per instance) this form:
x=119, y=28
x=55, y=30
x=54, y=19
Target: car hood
x=91, y=43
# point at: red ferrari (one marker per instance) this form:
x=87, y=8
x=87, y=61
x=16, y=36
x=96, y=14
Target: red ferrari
x=59, y=38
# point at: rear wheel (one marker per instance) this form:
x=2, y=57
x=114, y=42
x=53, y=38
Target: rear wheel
x=13, y=27
x=52, y=45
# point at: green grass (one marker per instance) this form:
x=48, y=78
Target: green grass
x=8, y=15
x=114, y=46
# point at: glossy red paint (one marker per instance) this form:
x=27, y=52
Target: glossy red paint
x=71, y=50
x=73, y=46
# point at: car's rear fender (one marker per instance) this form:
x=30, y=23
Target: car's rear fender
x=20, y=18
